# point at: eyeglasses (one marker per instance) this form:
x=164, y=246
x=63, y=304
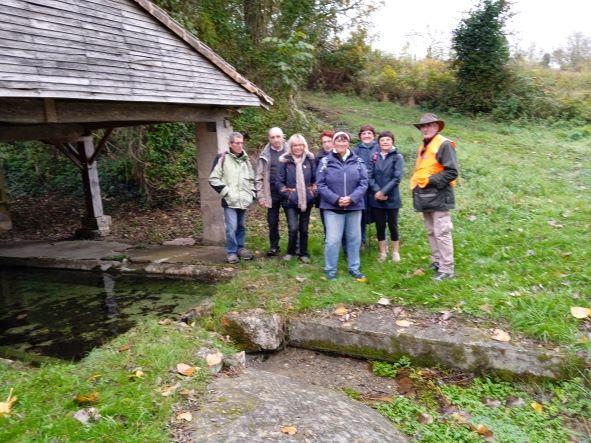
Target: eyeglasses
x=237, y=143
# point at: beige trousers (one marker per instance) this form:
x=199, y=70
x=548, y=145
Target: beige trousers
x=439, y=226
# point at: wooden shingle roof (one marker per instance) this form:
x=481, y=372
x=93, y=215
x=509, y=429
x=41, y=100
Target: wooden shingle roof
x=122, y=50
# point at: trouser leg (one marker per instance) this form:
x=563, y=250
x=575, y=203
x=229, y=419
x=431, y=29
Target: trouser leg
x=428, y=219
x=273, y=224
x=442, y=227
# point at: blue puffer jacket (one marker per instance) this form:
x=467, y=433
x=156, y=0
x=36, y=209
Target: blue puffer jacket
x=336, y=179
x=366, y=152
x=384, y=175
x=286, y=180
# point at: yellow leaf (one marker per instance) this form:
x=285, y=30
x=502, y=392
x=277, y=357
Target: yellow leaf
x=87, y=399
x=289, y=430
x=483, y=430
x=187, y=416
x=94, y=377
x=537, y=407
x=403, y=323
x=185, y=369
x=500, y=335
x=169, y=390
x=418, y=272
x=138, y=373
x=579, y=312
x=125, y=347
x=6, y=406
x=340, y=310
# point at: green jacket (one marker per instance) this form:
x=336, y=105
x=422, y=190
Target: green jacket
x=233, y=178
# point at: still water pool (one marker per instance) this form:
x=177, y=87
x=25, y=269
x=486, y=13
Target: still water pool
x=65, y=314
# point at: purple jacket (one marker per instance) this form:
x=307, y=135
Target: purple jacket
x=336, y=179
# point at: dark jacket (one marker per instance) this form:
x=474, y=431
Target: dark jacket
x=286, y=180
x=321, y=154
x=336, y=179
x=384, y=175
x=365, y=152
x=438, y=195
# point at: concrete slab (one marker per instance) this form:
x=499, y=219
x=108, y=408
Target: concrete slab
x=255, y=407
x=75, y=249
x=376, y=335
x=179, y=254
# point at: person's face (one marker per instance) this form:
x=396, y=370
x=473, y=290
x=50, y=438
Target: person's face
x=297, y=149
x=366, y=137
x=429, y=130
x=326, y=143
x=386, y=143
x=237, y=145
x=341, y=145
x=276, y=139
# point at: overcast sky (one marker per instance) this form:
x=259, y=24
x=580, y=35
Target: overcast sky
x=421, y=23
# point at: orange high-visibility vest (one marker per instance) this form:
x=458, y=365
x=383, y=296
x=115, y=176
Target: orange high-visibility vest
x=427, y=164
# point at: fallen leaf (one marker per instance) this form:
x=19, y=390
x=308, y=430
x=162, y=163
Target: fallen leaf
x=300, y=279
x=445, y=315
x=289, y=430
x=461, y=417
x=580, y=312
x=6, y=406
x=500, y=335
x=491, y=402
x=185, y=369
x=537, y=407
x=472, y=217
x=340, y=310
x=169, y=390
x=425, y=419
x=484, y=431
x=22, y=316
x=419, y=272
x=384, y=301
x=485, y=308
x=514, y=402
x=87, y=399
x=214, y=358
x=138, y=373
x=125, y=347
x=554, y=224
x=405, y=385
x=403, y=323
x=165, y=322
x=187, y=416
x=87, y=415
x=94, y=377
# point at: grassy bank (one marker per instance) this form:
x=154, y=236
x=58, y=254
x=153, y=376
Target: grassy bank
x=521, y=230
x=134, y=406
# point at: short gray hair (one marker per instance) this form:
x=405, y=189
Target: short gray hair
x=232, y=137
x=275, y=129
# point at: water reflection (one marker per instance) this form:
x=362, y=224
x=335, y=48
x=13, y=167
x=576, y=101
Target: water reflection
x=66, y=313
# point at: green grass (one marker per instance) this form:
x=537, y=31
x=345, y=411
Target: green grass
x=132, y=409
x=515, y=181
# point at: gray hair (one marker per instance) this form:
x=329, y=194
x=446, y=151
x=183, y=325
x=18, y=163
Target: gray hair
x=232, y=137
x=275, y=129
x=297, y=138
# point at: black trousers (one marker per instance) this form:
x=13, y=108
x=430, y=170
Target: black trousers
x=273, y=224
x=382, y=216
x=297, y=226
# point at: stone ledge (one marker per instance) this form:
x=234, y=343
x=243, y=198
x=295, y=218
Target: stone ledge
x=375, y=335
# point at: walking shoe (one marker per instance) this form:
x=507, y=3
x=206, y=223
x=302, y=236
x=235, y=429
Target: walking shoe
x=359, y=277
x=382, y=257
x=443, y=276
x=287, y=257
x=331, y=277
x=233, y=258
x=304, y=259
x=434, y=266
x=273, y=252
x=395, y=257
x=245, y=254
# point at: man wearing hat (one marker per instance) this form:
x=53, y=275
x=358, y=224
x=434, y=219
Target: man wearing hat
x=432, y=185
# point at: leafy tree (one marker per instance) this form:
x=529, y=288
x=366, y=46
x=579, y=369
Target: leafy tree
x=481, y=55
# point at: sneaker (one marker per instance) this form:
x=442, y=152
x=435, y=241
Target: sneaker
x=305, y=259
x=273, y=252
x=245, y=254
x=233, y=258
x=331, y=277
x=434, y=266
x=287, y=257
x=443, y=276
x=382, y=257
x=395, y=257
x=358, y=276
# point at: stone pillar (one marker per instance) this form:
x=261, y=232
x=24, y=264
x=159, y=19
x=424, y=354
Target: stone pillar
x=5, y=220
x=212, y=138
x=95, y=223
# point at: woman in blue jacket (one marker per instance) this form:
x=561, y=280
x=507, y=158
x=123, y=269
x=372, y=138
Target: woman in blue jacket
x=296, y=182
x=342, y=185
x=385, y=170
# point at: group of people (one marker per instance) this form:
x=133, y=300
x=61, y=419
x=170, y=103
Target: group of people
x=352, y=187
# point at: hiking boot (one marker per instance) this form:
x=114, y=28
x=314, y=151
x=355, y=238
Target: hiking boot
x=434, y=266
x=287, y=257
x=305, y=259
x=443, y=276
x=233, y=258
x=273, y=252
x=359, y=277
x=245, y=254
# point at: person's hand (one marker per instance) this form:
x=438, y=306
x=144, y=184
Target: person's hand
x=380, y=196
x=262, y=202
x=345, y=201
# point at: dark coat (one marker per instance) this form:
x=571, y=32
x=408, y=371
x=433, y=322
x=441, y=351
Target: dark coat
x=384, y=175
x=286, y=180
x=366, y=153
x=336, y=179
x=438, y=195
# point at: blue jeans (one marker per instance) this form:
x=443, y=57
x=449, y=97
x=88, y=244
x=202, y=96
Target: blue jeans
x=235, y=229
x=337, y=225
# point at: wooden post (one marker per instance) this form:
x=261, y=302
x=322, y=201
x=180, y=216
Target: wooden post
x=5, y=220
x=212, y=138
x=95, y=223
